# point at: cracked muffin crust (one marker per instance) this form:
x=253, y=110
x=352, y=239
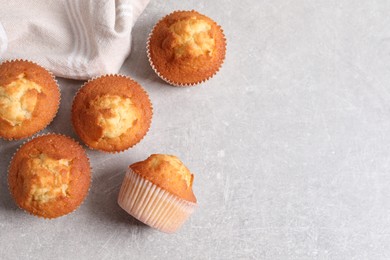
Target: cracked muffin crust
x=167, y=172
x=49, y=176
x=186, y=48
x=29, y=99
x=111, y=113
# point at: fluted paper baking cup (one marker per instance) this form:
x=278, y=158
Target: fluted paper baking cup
x=152, y=205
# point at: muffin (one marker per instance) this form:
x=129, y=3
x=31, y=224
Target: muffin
x=29, y=99
x=158, y=192
x=111, y=113
x=186, y=48
x=49, y=176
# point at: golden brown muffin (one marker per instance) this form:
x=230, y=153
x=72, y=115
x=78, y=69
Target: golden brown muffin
x=158, y=192
x=29, y=99
x=186, y=48
x=49, y=176
x=111, y=113
x=167, y=172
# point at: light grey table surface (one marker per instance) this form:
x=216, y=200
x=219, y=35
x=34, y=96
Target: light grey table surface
x=289, y=144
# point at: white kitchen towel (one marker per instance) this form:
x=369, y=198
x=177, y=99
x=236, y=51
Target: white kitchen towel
x=76, y=39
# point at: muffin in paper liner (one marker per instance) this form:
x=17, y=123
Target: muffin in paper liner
x=111, y=113
x=153, y=198
x=37, y=169
x=29, y=98
x=186, y=48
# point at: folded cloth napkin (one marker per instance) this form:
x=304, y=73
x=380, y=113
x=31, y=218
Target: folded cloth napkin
x=76, y=39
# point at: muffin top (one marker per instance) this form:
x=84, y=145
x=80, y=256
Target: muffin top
x=111, y=113
x=49, y=176
x=167, y=172
x=29, y=99
x=186, y=47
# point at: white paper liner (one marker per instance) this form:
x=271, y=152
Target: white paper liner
x=59, y=99
x=152, y=205
x=111, y=75
x=29, y=140
x=170, y=82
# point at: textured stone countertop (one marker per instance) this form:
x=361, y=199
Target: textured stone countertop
x=289, y=143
